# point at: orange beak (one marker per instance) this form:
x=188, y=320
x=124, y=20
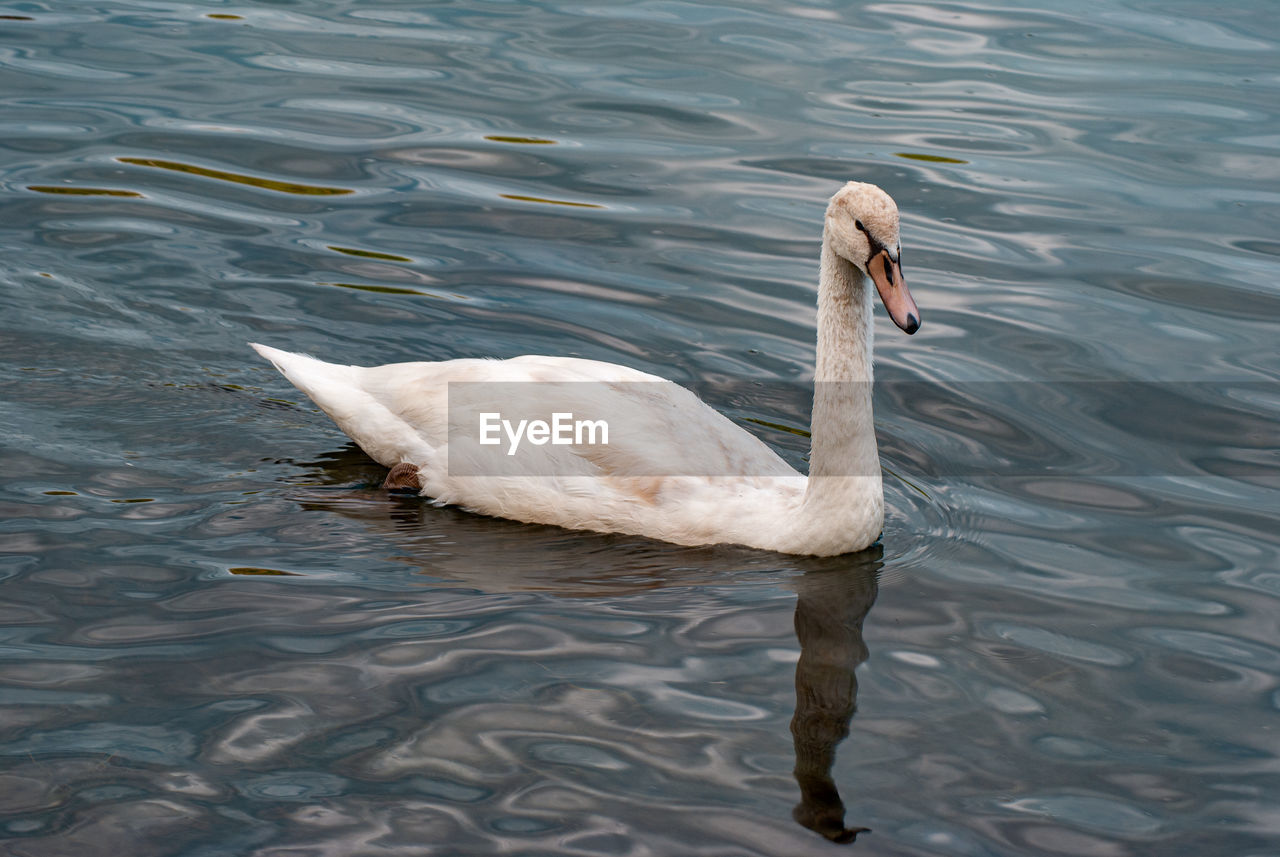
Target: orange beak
x=887, y=275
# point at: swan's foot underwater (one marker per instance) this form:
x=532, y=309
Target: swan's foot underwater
x=403, y=477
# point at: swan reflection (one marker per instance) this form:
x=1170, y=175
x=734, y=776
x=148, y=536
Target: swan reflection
x=454, y=548
x=831, y=604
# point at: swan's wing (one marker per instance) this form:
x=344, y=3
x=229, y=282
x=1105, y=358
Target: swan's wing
x=673, y=469
x=418, y=412
x=621, y=421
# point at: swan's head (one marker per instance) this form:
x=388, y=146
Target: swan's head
x=862, y=227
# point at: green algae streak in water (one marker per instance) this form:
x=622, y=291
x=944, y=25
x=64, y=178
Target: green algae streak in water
x=82, y=191
x=528, y=141
x=383, y=290
x=520, y=198
x=933, y=159
x=237, y=178
x=368, y=254
x=262, y=572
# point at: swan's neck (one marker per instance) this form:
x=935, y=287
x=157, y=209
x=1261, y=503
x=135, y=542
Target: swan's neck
x=844, y=488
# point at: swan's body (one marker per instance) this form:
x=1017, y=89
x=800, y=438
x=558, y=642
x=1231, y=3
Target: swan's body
x=674, y=468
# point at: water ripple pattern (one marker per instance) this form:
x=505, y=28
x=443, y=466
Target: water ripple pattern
x=219, y=637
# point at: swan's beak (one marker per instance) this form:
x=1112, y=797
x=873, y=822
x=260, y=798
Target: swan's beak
x=887, y=274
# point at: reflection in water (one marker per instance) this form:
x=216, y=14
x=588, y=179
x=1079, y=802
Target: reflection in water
x=834, y=595
x=453, y=546
x=829, y=613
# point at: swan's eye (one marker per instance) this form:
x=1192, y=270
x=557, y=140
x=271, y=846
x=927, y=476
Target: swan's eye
x=874, y=246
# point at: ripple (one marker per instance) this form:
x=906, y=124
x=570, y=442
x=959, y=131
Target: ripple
x=140, y=744
x=29, y=60
x=1214, y=646
x=339, y=68
x=1104, y=815
x=1061, y=645
x=577, y=755
x=294, y=786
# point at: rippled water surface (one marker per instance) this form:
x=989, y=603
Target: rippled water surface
x=221, y=637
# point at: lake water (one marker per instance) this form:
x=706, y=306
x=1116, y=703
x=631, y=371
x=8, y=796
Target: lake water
x=220, y=637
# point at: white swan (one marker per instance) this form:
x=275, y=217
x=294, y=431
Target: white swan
x=674, y=469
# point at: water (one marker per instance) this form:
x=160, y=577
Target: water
x=221, y=638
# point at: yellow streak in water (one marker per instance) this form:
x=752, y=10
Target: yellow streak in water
x=397, y=290
x=520, y=198
x=777, y=426
x=368, y=254
x=81, y=191
x=933, y=159
x=530, y=141
x=263, y=571
x=237, y=178
x=382, y=290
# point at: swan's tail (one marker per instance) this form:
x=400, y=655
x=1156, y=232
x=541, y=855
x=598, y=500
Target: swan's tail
x=339, y=392
x=327, y=384
x=343, y=392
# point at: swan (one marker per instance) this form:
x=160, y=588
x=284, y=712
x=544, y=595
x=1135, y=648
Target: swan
x=664, y=464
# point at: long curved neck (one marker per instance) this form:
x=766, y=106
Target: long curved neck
x=844, y=439
x=844, y=485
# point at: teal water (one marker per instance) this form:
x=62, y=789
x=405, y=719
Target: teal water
x=218, y=636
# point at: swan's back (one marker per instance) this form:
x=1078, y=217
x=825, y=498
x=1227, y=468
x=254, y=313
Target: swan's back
x=401, y=412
